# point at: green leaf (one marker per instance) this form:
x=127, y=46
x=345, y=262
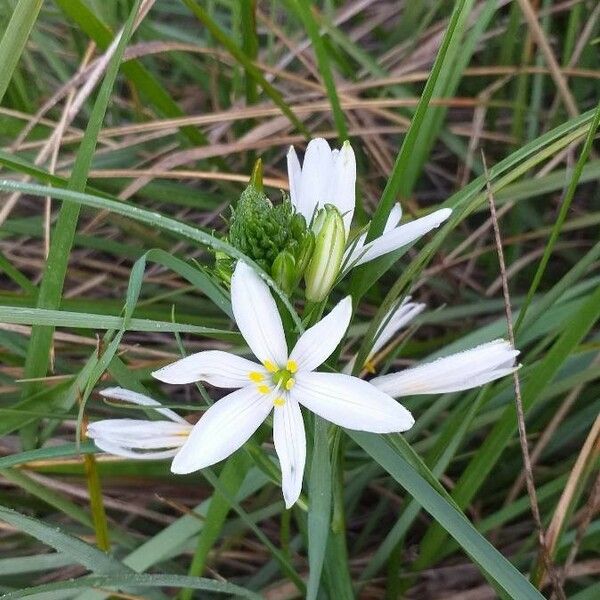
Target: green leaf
x=133, y=580
x=319, y=513
x=14, y=39
x=81, y=553
x=49, y=297
x=489, y=560
x=574, y=330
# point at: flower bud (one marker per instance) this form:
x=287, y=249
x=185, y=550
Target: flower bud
x=283, y=271
x=324, y=266
x=304, y=252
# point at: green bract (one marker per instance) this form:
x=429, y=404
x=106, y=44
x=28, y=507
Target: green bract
x=274, y=236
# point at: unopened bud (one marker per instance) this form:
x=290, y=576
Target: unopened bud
x=283, y=271
x=324, y=266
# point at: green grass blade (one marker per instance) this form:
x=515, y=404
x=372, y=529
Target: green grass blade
x=135, y=580
x=81, y=553
x=14, y=39
x=305, y=10
x=562, y=215
x=573, y=331
x=489, y=560
x=394, y=183
x=155, y=220
x=319, y=493
x=38, y=354
x=253, y=71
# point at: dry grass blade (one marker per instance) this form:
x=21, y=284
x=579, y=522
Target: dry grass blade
x=529, y=479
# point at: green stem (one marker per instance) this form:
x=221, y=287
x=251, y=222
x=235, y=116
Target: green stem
x=96, y=503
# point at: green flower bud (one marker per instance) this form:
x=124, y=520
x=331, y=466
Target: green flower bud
x=304, y=252
x=283, y=271
x=324, y=266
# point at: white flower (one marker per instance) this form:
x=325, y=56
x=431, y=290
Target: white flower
x=460, y=371
x=329, y=177
x=137, y=438
x=281, y=381
x=396, y=319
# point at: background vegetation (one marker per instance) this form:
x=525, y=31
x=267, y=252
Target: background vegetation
x=120, y=155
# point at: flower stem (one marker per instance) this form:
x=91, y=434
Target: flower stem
x=96, y=503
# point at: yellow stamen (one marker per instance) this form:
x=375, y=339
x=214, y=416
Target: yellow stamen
x=279, y=401
x=370, y=367
x=264, y=389
x=270, y=366
x=289, y=384
x=256, y=376
x=292, y=366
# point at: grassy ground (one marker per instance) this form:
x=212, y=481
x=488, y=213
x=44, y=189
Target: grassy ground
x=130, y=153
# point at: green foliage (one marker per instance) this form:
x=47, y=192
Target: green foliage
x=141, y=246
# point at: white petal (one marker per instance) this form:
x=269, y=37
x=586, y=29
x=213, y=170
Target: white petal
x=290, y=444
x=402, y=235
x=356, y=248
x=127, y=452
x=132, y=438
x=350, y=402
x=223, y=428
x=257, y=316
x=316, y=177
x=221, y=369
x=396, y=320
x=294, y=176
x=461, y=371
x=117, y=393
x=393, y=218
x=343, y=184
x=317, y=343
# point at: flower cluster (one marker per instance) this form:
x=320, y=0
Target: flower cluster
x=282, y=381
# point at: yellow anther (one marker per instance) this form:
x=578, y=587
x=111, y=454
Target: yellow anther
x=370, y=367
x=292, y=366
x=270, y=366
x=289, y=384
x=256, y=376
x=264, y=389
x=279, y=401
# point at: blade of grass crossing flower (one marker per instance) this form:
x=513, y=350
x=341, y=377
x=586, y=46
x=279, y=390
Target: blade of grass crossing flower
x=38, y=354
x=572, y=332
x=253, y=71
x=230, y=478
x=20, y=315
x=319, y=513
x=155, y=220
x=489, y=560
x=306, y=11
x=15, y=37
x=562, y=215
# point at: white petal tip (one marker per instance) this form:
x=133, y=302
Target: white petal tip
x=111, y=392
x=180, y=467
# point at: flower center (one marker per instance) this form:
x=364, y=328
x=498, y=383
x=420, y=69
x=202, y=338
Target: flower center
x=284, y=379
